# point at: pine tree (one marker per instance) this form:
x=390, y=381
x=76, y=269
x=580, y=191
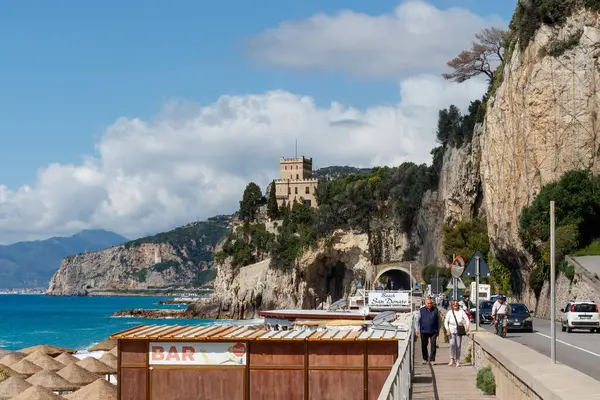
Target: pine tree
x=250, y=202
x=272, y=208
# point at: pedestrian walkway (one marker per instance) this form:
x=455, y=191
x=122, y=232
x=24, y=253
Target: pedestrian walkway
x=439, y=381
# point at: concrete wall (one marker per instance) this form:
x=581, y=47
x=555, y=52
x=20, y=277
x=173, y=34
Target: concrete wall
x=522, y=373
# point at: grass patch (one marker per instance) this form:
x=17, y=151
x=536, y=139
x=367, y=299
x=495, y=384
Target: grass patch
x=486, y=381
x=469, y=356
x=593, y=249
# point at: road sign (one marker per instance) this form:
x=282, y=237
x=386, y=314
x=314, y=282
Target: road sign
x=460, y=284
x=471, y=268
x=458, y=266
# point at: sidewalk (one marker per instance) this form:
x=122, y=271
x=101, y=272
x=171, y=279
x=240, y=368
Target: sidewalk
x=440, y=381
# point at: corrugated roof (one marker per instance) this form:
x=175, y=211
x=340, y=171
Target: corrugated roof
x=248, y=332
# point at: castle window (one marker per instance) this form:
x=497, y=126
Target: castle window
x=307, y=190
x=296, y=166
x=297, y=176
x=296, y=189
x=285, y=167
x=289, y=190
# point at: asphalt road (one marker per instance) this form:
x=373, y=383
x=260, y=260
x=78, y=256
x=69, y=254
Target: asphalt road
x=579, y=350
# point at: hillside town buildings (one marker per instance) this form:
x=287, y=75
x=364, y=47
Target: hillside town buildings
x=295, y=182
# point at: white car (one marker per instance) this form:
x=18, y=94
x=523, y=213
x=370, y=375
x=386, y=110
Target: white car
x=580, y=315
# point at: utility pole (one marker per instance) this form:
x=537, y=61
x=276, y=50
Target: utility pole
x=411, y=286
x=454, y=283
x=476, y=293
x=552, y=285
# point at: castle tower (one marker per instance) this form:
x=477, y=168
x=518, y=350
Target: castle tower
x=157, y=257
x=295, y=182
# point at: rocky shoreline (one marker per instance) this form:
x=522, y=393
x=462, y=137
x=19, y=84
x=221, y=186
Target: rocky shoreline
x=155, y=314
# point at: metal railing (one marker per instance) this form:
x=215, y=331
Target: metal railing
x=399, y=382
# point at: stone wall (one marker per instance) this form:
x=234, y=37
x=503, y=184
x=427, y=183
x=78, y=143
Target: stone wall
x=536, y=379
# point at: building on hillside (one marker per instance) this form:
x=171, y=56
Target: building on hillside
x=296, y=182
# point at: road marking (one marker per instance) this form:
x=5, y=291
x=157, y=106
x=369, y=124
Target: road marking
x=570, y=345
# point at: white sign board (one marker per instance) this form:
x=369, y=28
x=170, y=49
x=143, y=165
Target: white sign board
x=198, y=353
x=388, y=299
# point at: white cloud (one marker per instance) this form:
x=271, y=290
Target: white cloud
x=193, y=161
x=416, y=37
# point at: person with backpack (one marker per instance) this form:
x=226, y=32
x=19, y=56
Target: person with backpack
x=457, y=325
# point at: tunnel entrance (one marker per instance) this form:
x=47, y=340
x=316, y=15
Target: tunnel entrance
x=335, y=281
x=394, y=279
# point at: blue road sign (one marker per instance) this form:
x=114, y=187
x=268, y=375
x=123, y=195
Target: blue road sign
x=471, y=269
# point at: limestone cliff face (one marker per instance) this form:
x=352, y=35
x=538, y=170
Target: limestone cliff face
x=459, y=197
x=177, y=258
x=542, y=122
x=121, y=268
x=334, y=268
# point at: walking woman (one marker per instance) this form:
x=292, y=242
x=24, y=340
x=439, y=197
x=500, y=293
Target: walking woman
x=457, y=325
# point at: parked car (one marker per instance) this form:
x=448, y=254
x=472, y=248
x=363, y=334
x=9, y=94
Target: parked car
x=485, y=312
x=580, y=315
x=520, y=318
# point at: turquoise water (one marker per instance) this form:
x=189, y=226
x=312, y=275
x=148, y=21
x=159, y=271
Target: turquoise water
x=74, y=322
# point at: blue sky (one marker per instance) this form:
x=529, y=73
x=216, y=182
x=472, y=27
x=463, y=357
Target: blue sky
x=72, y=68
x=139, y=119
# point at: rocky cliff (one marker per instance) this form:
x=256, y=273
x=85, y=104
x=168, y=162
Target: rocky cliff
x=459, y=197
x=331, y=269
x=178, y=258
x=541, y=122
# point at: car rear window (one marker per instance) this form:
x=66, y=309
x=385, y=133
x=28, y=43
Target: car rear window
x=585, y=307
x=519, y=309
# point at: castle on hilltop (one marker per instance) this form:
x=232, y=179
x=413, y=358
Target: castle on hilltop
x=296, y=182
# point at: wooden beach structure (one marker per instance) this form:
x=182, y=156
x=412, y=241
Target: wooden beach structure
x=243, y=362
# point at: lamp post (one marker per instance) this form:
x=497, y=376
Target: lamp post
x=552, y=285
x=477, y=293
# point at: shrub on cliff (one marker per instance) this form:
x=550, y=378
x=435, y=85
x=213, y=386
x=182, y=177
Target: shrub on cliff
x=577, y=215
x=465, y=238
x=531, y=14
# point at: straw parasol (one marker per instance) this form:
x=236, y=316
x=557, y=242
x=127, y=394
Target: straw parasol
x=52, y=351
x=66, y=359
x=51, y=380
x=7, y=372
x=25, y=367
x=94, y=365
x=44, y=361
x=4, y=352
x=12, y=387
x=78, y=375
x=99, y=390
x=114, y=351
x=11, y=358
x=105, y=345
x=109, y=360
x=37, y=393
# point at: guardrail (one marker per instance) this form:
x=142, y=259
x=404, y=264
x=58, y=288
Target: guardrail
x=399, y=382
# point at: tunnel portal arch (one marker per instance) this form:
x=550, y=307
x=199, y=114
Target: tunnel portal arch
x=398, y=273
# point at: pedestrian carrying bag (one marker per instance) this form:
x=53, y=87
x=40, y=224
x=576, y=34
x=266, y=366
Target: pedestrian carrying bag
x=460, y=329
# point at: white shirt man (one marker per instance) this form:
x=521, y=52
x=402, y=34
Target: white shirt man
x=500, y=307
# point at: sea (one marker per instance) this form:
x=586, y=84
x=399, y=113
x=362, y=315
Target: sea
x=73, y=322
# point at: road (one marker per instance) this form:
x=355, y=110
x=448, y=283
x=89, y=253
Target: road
x=579, y=350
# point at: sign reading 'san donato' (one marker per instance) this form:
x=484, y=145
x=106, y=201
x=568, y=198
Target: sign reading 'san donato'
x=388, y=299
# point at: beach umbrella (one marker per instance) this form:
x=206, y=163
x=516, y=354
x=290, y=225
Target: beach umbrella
x=114, y=351
x=66, y=359
x=25, y=367
x=4, y=352
x=52, y=351
x=12, y=387
x=94, y=365
x=109, y=360
x=99, y=390
x=78, y=375
x=11, y=358
x=44, y=361
x=7, y=372
x=105, y=345
x=52, y=381
x=37, y=393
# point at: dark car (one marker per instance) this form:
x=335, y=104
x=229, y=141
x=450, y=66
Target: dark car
x=485, y=312
x=519, y=318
